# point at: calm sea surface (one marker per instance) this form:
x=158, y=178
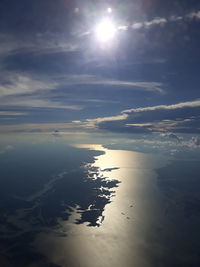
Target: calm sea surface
x=88, y=206
x=129, y=232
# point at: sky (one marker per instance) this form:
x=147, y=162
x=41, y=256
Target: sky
x=58, y=73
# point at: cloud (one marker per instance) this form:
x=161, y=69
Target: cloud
x=74, y=126
x=138, y=25
x=148, y=24
x=177, y=118
x=37, y=44
x=19, y=89
x=12, y=113
x=195, y=141
x=194, y=15
x=23, y=90
x=41, y=85
x=160, y=21
x=166, y=120
x=85, y=79
x=191, y=104
x=156, y=21
x=18, y=83
x=35, y=102
x=176, y=18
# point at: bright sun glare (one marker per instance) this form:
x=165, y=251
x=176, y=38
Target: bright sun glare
x=105, y=30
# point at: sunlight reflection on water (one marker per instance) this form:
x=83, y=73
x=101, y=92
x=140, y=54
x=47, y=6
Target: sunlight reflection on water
x=126, y=236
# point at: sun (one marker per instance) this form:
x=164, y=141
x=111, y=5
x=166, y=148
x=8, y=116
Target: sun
x=105, y=30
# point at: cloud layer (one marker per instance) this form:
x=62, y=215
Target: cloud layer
x=181, y=118
x=52, y=69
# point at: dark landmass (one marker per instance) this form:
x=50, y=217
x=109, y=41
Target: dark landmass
x=38, y=188
x=110, y=169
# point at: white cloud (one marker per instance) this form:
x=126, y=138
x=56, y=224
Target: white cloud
x=46, y=127
x=137, y=25
x=195, y=103
x=162, y=21
x=18, y=83
x=97, y=80
x=41, y=43
x=176, y=18
x=23, y=90
x=156, y=21
x=193, y=15
x=36, y=102
x=161, y=124
x=165, y=119
x=92, y=123
x=123, y=27
x=195, y=141
x=12, y=113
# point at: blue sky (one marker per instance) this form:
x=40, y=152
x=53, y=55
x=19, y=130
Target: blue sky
x=56, y=75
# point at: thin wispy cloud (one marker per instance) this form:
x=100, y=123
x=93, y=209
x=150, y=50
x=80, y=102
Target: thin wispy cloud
x=25, y=90
x=39, y=44
x=161, y=20
x=83, y=79
x=147, y=24
x=12, y=113
x=195, y=103
x=36, y=102
x=76, y=126
x=19, y=83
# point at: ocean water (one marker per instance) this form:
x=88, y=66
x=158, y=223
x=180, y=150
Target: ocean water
x=131, y=222
x=89, y=206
